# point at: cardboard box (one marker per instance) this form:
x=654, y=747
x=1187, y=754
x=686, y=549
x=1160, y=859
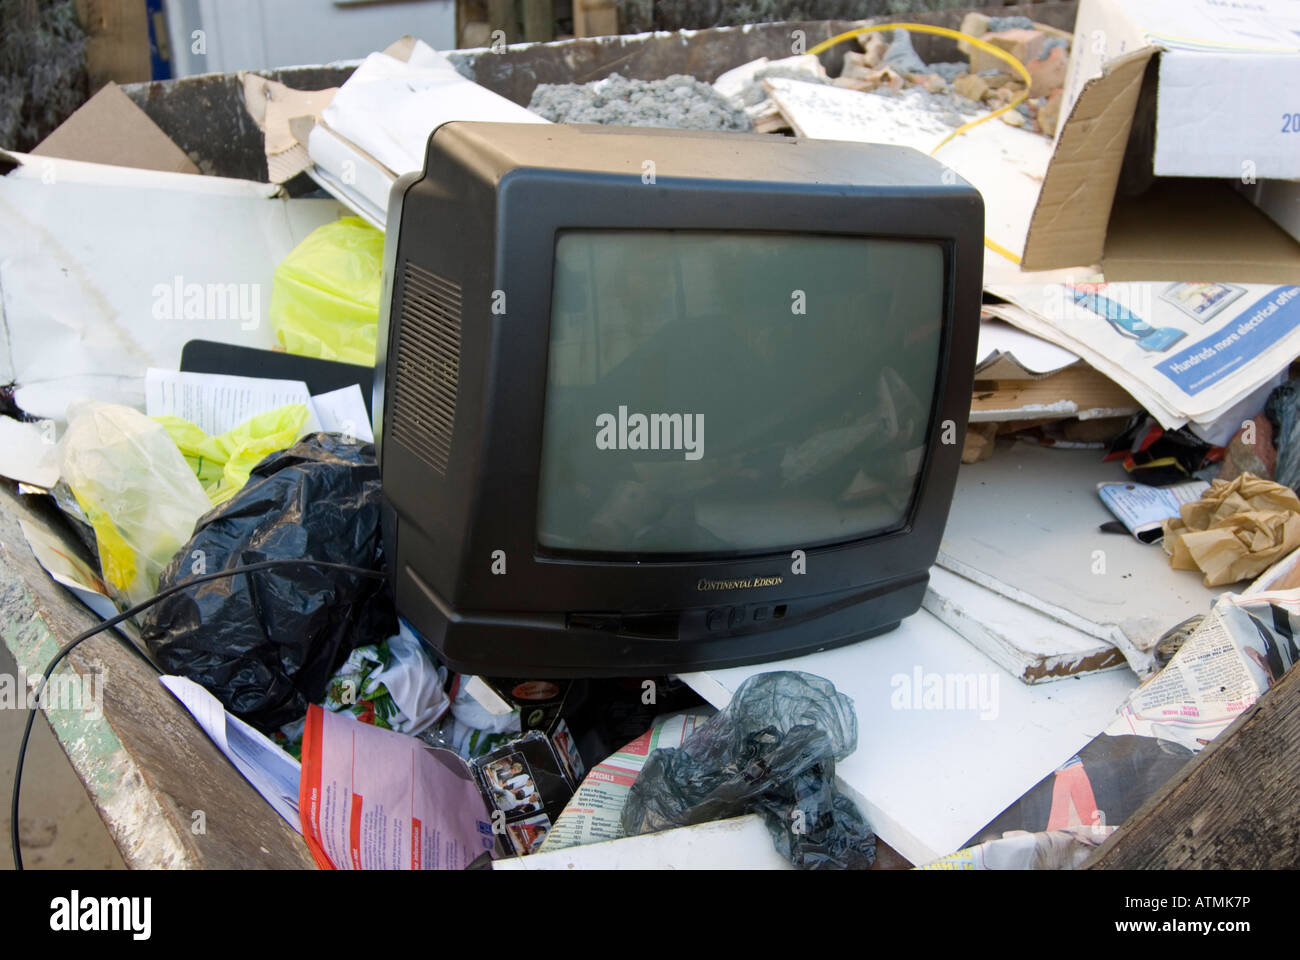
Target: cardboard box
x=110, y=128
x=1212, y=64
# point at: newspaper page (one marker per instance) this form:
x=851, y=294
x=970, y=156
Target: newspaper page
x=373, y=799
x=1242, y=647
x=595, y=812
x=1186, y=351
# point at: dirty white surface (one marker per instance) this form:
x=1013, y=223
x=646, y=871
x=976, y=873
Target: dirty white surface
x=1025, y=525
x=928, y=777
x=86, y=262
x=742, y=843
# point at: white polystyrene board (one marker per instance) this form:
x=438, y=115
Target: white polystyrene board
x=87, y=270
x=928, y=779
x=1026, y=524
x=741, y=843
x=52, y=171
x=1029, y=644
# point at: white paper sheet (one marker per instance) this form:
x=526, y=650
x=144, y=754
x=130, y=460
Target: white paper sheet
x=388, y=107
x=344, y=411
x=217, y=403
x=26, y=452
x=271, y=771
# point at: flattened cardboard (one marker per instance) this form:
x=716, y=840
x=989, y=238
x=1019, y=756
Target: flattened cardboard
x=110, y=128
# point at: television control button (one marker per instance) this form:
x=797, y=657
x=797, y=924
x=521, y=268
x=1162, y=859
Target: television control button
x=714, y=621
x=735, y=617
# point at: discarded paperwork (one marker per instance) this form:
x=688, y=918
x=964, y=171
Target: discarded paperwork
x=27, y=452
x=1235, y=531
x=372, y=799
x=218, y=403
x=1143, y=509
x=377, y=126
x=1188, y=352
x=1064, y=849
x=271, y=771
x=1238, y=651
x=594, y=814
x=528, y=784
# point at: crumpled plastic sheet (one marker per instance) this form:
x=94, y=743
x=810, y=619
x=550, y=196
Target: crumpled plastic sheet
x=771, y=751
x=266, y=643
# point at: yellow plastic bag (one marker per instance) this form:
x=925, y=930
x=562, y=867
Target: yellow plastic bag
x=136, y=490
x=223, y=463
x=325, y=294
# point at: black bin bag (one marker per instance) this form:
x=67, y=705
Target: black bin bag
x=266, y=643
x=771, y=751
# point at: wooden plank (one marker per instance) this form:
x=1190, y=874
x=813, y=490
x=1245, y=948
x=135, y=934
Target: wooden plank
x=1233, y=807
x=595, y=18
x=143, y=760
x=1076, y=391
x=117, y=45
x=503, y=15
x=539, y=19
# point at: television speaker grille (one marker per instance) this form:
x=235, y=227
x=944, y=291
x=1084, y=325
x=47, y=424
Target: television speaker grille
x=428, y=365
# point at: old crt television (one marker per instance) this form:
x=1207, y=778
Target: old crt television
x=651, y=401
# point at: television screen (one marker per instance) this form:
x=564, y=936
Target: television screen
x=715, y=393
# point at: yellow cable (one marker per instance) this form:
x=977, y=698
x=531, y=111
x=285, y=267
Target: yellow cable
x=955, y=35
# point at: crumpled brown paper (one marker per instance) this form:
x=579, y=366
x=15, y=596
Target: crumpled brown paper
x=1236, y=531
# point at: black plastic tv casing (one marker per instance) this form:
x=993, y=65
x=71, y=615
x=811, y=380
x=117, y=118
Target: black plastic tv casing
x=459, y=396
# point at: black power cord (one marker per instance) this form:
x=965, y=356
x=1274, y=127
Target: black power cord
x=126, y=615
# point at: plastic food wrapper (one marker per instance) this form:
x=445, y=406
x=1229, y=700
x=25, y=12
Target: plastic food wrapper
x=223, y=463
x=265, y=644
x=527, y=784
x=325, y=293
x=772, y=750
x=135, y=489
x=395, y=685
x=1237, y=530
x=372, y=799
x=595, y=813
